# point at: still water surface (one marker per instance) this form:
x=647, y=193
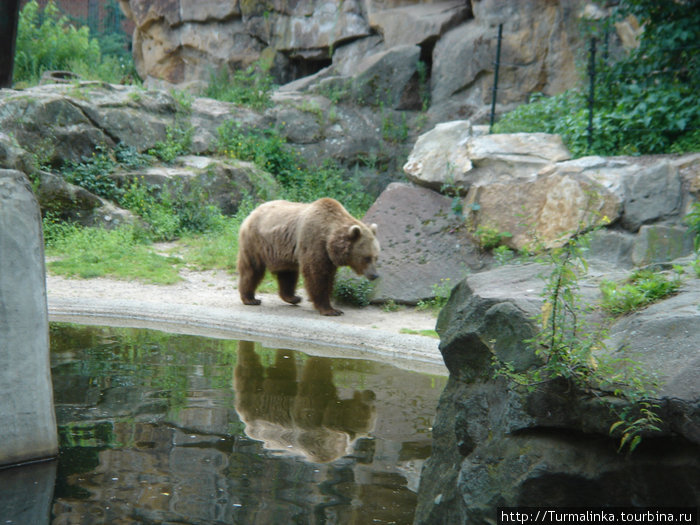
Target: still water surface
x=162, y=428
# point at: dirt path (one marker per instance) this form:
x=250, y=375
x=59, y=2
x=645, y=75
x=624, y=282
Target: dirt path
x=207, y=303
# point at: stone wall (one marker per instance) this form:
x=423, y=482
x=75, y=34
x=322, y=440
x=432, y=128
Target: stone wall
x=27, y=420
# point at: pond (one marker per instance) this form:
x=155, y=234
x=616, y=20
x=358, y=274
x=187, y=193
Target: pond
x=166, y=428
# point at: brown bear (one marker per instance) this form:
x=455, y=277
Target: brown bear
x=316, y=238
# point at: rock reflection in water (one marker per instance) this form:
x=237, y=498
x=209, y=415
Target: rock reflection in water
x=160, y=428
x=300, y=416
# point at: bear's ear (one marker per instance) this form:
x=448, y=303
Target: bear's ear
x=373, y=227
x=354, y=232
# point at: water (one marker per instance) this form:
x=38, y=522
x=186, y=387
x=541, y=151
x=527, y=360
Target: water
x=162, y=428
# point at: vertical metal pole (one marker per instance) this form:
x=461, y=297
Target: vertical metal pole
x=495, y=76
x=591, y=92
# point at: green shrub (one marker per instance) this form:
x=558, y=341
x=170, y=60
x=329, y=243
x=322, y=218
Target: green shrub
x=441, y=294
x=353, y=290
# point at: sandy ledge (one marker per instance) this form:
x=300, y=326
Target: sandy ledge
x=207, y=304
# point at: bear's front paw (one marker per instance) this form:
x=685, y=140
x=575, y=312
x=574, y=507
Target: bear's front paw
x=331, y=311
x=251, y=302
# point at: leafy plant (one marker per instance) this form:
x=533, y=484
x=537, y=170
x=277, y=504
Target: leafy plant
x=642, y=288
x=92, y=173
x=488, y=237
x=353, y=290
x=178, y=141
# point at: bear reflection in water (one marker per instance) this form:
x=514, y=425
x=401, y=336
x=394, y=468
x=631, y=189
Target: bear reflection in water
x=301, y=416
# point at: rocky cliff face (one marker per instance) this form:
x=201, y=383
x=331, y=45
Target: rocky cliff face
x=182, y=41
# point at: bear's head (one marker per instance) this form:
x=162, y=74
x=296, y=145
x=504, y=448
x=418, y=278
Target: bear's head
x=357, y=246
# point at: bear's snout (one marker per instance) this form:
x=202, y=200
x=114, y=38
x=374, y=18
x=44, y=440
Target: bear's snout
x=371, y=275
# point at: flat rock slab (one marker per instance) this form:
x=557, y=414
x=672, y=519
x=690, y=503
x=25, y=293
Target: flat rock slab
x=423, y=243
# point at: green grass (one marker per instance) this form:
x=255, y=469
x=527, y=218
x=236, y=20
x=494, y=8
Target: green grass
x=426, y=333
x=641, y=289
x=94, y=252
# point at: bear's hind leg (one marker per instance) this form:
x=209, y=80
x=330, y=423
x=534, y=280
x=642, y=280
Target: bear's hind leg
x=287, y=282
x=249, y=278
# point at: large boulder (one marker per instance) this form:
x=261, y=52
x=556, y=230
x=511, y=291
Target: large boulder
x=424, y=244
x=499, y=445
x=461, y=155
x=28, y=429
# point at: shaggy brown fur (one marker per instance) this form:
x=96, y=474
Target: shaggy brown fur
x=286, y=237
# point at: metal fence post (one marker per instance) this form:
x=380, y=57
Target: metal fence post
x=495, y=76
x=591, y=92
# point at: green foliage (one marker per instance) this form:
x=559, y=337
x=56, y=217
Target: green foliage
x=503, y=255
x=693, y=222
x=171, y=212
x=570, y=349
x=92, y=173
x=647, y=102
x=353, y=290
x=178, y=141
x=394, y=127
x=95, y=252
x=250, y=87
x=642, y=288
x=268, y=150
x=489, y=238
x=441, y=293
x=46, y=41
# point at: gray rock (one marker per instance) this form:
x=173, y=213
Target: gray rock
x=660, y=243
x=422, y=242
x=419, y=23
x=73, y=203
x=388, y=78
x=28, y=425
x=499, y=445
x=652, y=194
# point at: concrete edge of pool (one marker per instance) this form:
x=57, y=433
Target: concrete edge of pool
x=318, y=336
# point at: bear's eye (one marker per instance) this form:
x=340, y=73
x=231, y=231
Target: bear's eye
x=368, y=260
